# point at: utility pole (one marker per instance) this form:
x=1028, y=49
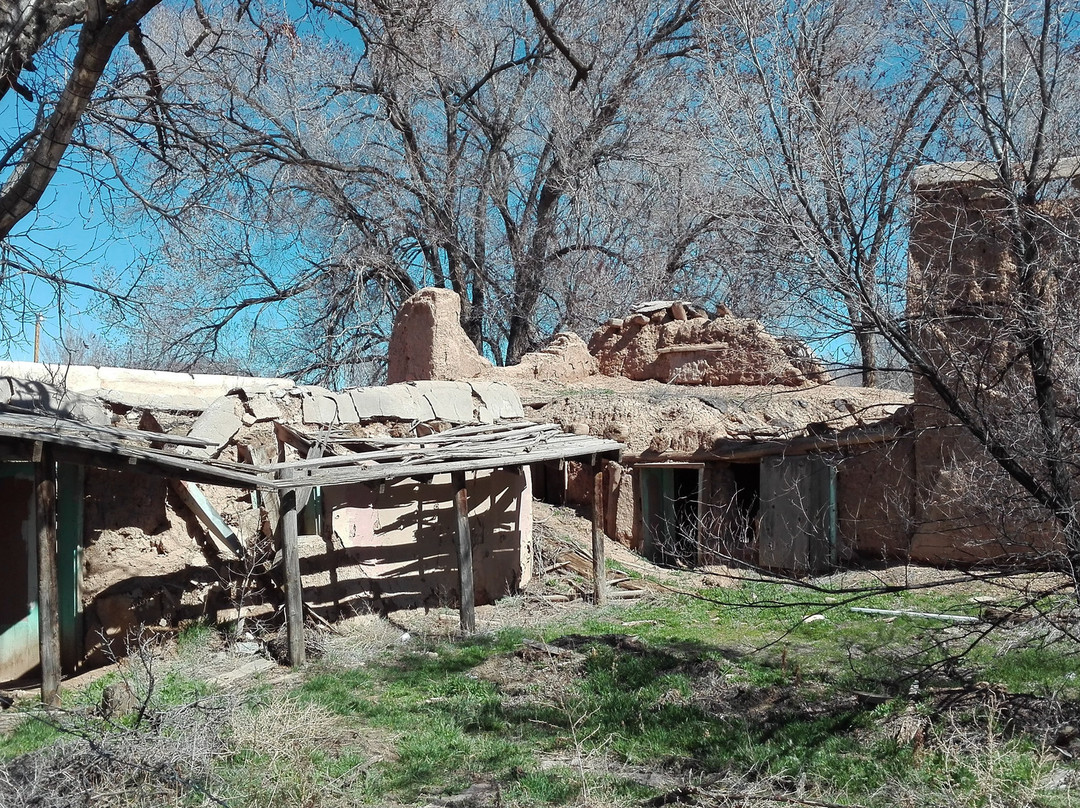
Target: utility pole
x=37, y=336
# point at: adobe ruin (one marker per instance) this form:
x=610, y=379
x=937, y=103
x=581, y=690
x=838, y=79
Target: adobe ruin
x=171, y=498
x=728, y=430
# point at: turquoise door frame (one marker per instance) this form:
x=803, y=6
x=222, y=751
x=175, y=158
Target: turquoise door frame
x=69, y=558
x=19, y=654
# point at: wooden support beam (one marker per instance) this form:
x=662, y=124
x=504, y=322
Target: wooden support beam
x=598, y=560
x=223, y=536
x=464, y=554
x=294, y=593
x=48, y=580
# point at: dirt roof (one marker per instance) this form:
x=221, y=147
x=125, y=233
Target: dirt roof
x=649, y=416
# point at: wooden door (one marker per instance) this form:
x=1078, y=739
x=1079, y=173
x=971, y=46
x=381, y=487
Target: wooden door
x=798, y=514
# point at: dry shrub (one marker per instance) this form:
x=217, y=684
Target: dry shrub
x=360, y=640
x=165, y=761
x=280, y=726
x=277, y=645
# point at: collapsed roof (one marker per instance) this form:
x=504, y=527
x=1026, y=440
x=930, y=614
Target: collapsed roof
x=182, y=426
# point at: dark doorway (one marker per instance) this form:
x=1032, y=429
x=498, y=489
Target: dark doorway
x=670, y=513
x=747, y=478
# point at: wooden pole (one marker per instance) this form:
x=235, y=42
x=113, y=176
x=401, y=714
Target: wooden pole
x=294, y=593
x=48, y=580
x=599, y=573
x=464, y=554
x=37, y=337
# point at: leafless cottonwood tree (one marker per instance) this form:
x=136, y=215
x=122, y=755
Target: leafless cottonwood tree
x=824, y=113
x=312, y=172
x=27, y=29
x=53, y=54
x=993, y=334
x=820, y=113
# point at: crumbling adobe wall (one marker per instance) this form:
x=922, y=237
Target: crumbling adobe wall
x=565, y=359
x=875, y=500
x=144, y=562
x=968, y=510
x=428, y=342
x=962, y=309
x=676, y=344
x=669, y=341
x=620, y=504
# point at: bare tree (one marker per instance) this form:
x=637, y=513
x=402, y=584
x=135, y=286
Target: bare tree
x=316, y=170
x=26, y=27
x=833, y=107
x=821, y=111
x=994, y=323
x=53, y=55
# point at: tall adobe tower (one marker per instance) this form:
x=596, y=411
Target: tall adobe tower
x=987, y=275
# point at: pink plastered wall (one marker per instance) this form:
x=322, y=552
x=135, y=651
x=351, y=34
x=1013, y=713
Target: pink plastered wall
x=395, y=543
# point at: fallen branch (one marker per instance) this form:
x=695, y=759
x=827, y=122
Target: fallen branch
x=955, y=618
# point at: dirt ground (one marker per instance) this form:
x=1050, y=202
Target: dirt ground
x=558, y=592
x=551, y=674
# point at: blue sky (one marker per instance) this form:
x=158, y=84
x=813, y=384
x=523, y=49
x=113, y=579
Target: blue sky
x=67, y=235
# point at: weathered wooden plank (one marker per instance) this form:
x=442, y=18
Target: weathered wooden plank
x=391, y=471
x=467, y=605
x=196, y=501
x=304, y=494
x=48, y=579
x=294, y=594
x=479, y=434
x=419, y=449
x=24, y=417
x=90, y=452
x=598, y=550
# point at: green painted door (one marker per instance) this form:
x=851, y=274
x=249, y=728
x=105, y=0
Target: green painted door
x=19, y=651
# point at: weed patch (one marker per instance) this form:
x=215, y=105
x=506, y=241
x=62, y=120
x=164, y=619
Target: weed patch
x=671, y=693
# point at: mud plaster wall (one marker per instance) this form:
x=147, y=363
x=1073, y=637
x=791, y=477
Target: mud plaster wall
x=967, y=510
x=961, y=290
x=619, y=504
x=142, y=562
x=875, y=500
x=396, y=545
x=579, y=483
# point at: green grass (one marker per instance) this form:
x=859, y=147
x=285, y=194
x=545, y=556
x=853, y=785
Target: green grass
x=29, y=735
x=194, y=637
x=692, y=685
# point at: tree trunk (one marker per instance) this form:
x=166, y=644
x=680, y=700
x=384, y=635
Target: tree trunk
x=864, y=338
x=97, y=40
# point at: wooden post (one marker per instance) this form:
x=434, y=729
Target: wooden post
x=294, y=593
x=464, y=554
x=599, y=572
x=48, y=581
